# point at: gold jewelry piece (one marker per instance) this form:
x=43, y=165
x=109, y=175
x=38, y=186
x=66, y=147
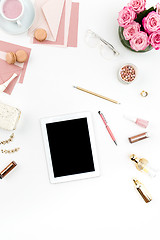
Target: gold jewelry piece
x=10, y=151
x=144, y=93
x=9, y=140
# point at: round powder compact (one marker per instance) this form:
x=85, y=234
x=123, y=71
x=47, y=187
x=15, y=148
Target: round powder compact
x=127, y=73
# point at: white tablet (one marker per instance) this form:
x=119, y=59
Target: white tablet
x=70, y=147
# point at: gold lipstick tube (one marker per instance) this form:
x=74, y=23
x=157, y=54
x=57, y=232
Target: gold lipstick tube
x=8, y=169
x=142, y=191
x=138, y=137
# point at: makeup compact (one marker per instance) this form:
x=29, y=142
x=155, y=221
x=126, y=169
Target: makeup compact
x=127, y=73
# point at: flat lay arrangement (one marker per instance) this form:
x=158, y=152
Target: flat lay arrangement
x=46, y=29
x=107, y=127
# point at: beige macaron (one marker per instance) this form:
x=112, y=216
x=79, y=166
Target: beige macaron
x=40, y=34
x=22, y=56
x=10, y=57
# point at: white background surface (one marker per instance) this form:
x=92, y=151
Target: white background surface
x=107, y=207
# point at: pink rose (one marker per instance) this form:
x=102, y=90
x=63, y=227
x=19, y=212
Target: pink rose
x=126, y=16
x=138, y=5
x=139, y=41
x=130, y=30
x=154, y=39
x=151, y=23
x=158, y=8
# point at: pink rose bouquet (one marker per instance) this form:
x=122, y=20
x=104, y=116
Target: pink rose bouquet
x=151, y=23
x=154, y=39
x=131, y=30
x=138, y=5
x=139, y=41
x=139, y=28
x=126, y=16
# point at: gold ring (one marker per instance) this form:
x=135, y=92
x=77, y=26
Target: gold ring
x=144, y=93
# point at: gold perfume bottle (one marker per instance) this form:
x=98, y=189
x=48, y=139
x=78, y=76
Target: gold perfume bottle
x=142, y=191
x=142, y=165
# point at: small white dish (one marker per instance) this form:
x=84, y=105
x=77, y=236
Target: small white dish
x=26, y=20
x=130, y=73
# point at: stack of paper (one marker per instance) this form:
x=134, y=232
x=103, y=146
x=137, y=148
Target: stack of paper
x=6, y=70
x=60, y=20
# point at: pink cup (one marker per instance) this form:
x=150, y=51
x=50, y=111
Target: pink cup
x=12, y=10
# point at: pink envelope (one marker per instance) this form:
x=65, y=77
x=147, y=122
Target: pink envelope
x=40, y=21
x=60, y=34
x=52, y=11
x=6, y=70
x=72, y=33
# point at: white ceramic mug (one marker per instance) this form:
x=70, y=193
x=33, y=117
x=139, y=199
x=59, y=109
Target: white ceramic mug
x=17, y=19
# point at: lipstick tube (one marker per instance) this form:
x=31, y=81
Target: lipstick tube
x=8, y=169
x=142, y=191
x=138, y=137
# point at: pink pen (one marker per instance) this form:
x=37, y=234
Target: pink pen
x=108, y=129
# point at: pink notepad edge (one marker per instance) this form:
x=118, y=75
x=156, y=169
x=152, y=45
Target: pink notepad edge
x=73, y=28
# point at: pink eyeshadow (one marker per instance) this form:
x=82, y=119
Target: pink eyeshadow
x=12, y=9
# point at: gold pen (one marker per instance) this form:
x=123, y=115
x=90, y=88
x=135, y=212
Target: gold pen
x=97, y=95
x=142, y=191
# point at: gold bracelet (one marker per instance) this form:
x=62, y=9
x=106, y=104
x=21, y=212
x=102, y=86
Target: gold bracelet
x=10, y=151
x=9, y=140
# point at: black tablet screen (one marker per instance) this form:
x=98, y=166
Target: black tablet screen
x=70, y=147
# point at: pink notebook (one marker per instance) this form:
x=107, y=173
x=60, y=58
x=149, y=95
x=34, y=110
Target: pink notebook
x=6, y=70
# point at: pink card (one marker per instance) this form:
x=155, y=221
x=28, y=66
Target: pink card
x=6, y=70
